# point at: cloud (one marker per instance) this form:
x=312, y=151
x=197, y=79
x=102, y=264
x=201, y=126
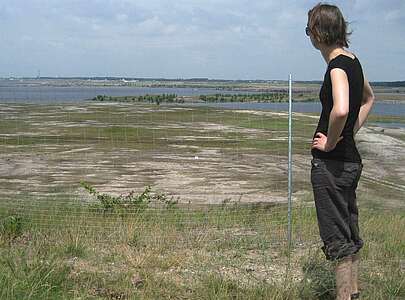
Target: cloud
x=184, y=38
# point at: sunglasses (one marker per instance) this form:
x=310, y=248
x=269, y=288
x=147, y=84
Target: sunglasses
x=307, y=31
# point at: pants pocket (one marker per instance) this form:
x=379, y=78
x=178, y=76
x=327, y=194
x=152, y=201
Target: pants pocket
x=319, y=176
x=349, y=176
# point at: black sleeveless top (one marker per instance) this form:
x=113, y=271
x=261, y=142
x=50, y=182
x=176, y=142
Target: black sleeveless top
x=345, y=149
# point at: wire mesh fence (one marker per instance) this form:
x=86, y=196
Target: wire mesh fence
x=209, y=181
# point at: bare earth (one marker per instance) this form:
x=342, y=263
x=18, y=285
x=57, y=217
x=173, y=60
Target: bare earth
x=194, y=173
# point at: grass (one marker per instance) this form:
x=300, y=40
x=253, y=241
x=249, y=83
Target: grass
x=29, y=275
x=219, y=252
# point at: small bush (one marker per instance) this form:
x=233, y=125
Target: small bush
x=131, y=201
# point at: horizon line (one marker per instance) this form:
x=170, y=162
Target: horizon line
x=124, y=78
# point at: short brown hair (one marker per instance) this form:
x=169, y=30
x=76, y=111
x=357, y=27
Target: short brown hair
x=328, y=25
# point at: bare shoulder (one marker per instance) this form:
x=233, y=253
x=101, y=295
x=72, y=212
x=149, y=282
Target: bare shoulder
x=338, y=74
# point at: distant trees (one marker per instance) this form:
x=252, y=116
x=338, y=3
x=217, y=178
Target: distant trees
x=99, y=98
x=260, y=97
x=173, y=98
x=162, y=98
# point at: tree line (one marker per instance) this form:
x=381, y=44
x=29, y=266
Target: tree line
x=167, y=98
x=262, y=97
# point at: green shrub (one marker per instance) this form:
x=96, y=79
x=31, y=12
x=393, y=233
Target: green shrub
x=131, y=201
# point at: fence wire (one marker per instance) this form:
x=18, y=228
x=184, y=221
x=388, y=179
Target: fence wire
x=184, y=176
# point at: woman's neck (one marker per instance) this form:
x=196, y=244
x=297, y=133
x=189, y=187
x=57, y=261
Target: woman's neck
x=330, y=52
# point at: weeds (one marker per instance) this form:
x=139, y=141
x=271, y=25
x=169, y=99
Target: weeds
x=25, y=276
x=11, y=227
x=130, y=201
x=74, y=246
x=319, y=279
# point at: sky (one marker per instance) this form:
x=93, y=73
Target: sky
x=217, y=39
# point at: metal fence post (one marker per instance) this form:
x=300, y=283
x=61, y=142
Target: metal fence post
x=289, y=235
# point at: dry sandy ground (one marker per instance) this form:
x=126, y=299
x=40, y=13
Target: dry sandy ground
x=204, y=176
x=194, y=174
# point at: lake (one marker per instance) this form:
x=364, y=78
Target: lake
x=52, y=95
x=77, y=94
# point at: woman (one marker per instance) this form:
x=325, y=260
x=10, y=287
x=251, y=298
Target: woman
x=346, y=98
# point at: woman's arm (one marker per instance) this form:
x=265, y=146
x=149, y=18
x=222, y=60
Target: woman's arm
x=366, y=104
x=338, y=114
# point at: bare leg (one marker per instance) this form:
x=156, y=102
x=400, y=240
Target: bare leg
x=344, y=278
x=355, y=272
